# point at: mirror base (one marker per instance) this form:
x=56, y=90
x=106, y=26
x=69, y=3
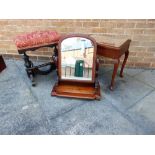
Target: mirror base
x=80, y=90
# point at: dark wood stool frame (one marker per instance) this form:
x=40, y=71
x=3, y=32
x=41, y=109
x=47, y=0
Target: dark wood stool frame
x=33, y=70
x=110, y=51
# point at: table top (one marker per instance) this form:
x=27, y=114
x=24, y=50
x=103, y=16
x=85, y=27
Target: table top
x=109, y=40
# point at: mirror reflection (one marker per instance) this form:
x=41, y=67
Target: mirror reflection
x=77, y=58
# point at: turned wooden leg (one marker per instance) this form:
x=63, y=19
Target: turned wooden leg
x=114, y=73
x=124, y=62
x=28, y=64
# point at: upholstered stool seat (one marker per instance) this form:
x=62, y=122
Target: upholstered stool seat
x=35, y=39
x=31, y=42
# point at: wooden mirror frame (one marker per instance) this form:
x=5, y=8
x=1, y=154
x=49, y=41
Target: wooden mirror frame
x=85, y=89
x=94, y=58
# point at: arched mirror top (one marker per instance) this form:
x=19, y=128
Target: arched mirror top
x=77, y=54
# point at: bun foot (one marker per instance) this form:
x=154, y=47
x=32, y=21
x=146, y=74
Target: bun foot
x=98, y=97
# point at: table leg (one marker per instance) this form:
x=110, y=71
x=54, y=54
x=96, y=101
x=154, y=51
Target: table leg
x=124, y=62
x=114, y=73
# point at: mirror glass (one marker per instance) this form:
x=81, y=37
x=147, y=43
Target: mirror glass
x=77, y=58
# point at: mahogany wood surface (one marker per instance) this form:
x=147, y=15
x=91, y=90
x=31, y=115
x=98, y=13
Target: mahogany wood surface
x=81, y=90
x=2, y=64
x=113, y=52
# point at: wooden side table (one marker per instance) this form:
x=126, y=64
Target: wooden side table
x=2, y=64
x=114, y=49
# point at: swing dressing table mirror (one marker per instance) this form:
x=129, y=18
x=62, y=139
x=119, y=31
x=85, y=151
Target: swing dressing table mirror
x=77, y=68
